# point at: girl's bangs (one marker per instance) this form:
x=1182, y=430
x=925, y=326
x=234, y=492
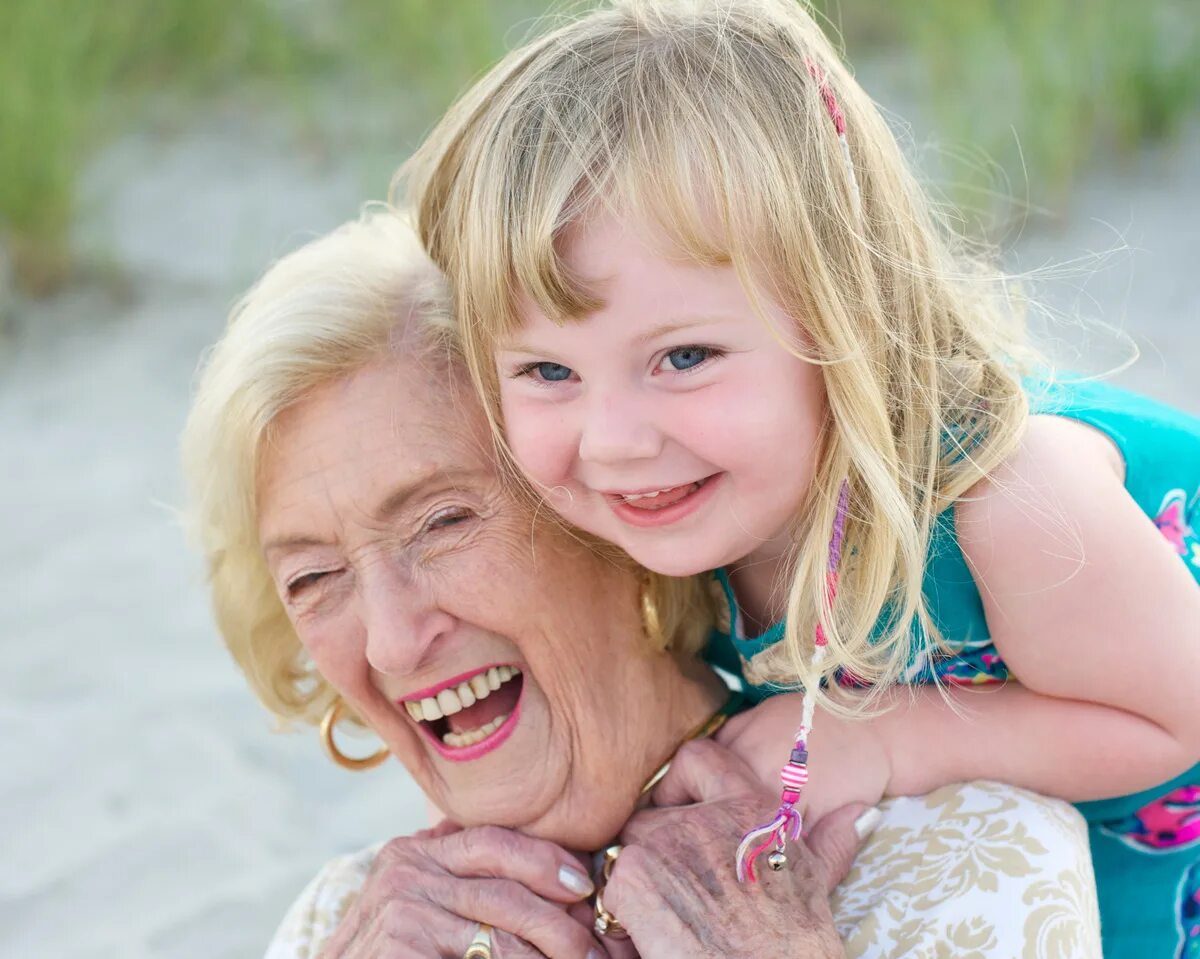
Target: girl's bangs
x=666, y=189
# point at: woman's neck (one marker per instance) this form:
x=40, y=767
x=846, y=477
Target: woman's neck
x=704, y=711
x=702, y=693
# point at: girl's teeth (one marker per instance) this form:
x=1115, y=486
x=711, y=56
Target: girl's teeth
x=493, y=678
x=429, y=709
x=465, y=695
x=672, y=495
x=479, y=686
x=633, y=496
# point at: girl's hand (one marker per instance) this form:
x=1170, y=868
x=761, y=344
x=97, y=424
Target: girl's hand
x=674, y=887
x=848, y=760
x=427, y=894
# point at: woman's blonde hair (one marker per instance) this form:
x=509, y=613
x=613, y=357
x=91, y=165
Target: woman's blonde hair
x=365, y=292
x=707, y=118
x=361, y=293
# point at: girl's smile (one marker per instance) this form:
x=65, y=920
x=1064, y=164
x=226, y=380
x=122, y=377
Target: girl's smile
x=675, y=420
x=661, y=507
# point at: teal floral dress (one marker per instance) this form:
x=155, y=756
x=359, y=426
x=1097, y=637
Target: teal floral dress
x=1145, y=847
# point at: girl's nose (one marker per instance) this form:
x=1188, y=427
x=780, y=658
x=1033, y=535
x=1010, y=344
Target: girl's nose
x=617, y=430
x=401, y=617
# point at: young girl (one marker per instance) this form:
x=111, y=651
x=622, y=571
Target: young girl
x=718, y=325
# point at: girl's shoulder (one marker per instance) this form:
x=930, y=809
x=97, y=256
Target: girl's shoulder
x=1058, y=542
x=1028, y=521
x=1154, y=440
x=1089, y=449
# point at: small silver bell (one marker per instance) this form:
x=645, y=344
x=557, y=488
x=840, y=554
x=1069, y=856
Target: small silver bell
x=777, y=860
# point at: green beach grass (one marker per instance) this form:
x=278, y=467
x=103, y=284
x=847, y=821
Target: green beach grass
x=72, y=73
x=1038, y=86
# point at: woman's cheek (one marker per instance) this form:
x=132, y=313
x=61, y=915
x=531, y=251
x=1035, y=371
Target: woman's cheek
x=334, y=650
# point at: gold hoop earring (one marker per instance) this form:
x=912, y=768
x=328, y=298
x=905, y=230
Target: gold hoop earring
x=651, y=620
x=328, y=722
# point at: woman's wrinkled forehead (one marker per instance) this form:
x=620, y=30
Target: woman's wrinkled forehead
x=409, y=410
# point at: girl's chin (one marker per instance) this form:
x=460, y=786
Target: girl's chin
x=676, y=560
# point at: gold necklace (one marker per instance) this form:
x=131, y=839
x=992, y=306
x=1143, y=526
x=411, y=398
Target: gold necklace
x=707, y=728
x=606, y=924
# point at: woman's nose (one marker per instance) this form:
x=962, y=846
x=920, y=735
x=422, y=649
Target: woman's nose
x=617, y=429
x=402, y=619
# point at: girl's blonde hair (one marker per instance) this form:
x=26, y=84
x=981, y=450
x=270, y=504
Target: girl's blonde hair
x=361, y=294
x=707, y=118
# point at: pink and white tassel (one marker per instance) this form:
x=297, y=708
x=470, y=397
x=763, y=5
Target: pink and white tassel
x=793, y=777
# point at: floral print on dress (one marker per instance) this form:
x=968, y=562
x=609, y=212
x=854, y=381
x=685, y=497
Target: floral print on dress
x=974, y=664
x=1169, y=824
x=1189, y=914
x=970, y=663
x=1177, y=522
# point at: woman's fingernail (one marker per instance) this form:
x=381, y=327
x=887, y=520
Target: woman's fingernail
x=867, y=823
x=575, y=881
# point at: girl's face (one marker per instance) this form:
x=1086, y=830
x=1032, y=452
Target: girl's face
x=672, y=421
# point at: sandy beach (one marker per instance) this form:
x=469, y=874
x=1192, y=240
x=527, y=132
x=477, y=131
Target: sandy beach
x=148, y=809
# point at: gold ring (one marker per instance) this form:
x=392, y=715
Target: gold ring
x=481, y=945
x=606, y=923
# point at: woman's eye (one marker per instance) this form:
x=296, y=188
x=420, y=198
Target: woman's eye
x=686, y=358
x=450, y=516
x=304, y=580
x=546, y=372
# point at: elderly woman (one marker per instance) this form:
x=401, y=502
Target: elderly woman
x=367, y=561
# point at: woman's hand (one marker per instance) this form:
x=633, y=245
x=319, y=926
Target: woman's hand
x=674, y=888
x=426, y=895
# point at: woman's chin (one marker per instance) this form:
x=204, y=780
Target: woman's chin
x=508, y=778
x=583, y=830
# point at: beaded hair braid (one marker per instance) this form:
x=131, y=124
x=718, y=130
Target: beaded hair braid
x=839, y=124
x=788, y=823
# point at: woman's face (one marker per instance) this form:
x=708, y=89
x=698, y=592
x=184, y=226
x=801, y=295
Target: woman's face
x=501, y=662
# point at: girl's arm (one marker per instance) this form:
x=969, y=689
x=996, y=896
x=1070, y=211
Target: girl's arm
x=1097, y=619
x=1071, y=749
x=1094, y=614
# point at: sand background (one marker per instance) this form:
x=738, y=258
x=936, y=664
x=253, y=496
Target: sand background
x=148, y=810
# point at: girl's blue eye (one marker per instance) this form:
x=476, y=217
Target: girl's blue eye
x=552, y=372
x=687, y=357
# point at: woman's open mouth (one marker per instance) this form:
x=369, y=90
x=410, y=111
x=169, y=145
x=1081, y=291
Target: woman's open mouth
x=470, y=715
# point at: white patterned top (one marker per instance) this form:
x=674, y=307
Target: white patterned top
x=973, y=871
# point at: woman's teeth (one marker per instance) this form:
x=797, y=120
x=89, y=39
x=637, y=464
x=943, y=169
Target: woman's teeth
x=467, y=693
x=472, y=736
